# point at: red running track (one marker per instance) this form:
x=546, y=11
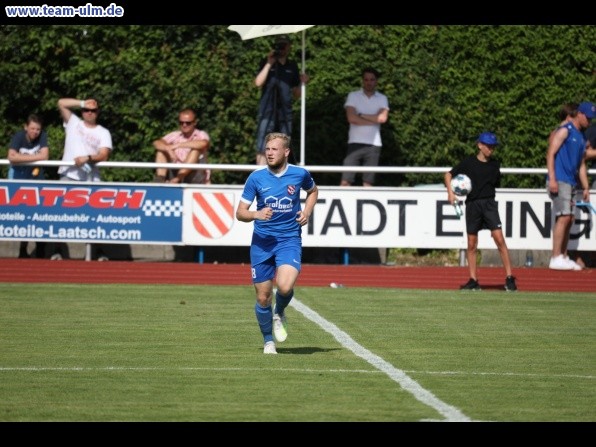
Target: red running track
x=131, y=272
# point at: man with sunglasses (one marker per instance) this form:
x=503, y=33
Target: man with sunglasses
x=186, y=145
x=86, y=142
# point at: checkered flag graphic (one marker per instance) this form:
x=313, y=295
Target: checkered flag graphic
x=166, y=208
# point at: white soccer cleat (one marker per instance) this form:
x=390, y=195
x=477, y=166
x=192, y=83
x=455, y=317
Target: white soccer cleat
x=269, y=348
x=280, y=331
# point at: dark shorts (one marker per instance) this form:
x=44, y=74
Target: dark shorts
x=361, y=155
x=482, y=214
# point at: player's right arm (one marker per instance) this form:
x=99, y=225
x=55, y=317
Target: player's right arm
x=554, y=145
x=450, y=194
x=243, y=214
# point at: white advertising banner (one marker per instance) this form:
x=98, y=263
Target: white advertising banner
x=386, y=217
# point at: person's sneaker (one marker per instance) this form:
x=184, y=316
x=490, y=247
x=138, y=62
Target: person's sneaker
x=269, y=348
x=510, y=284
x=56, y=257
x=280, y=328
x=103, y=258
x=560, y=263
x=472, y=284
x=579, y=261
x=574, y=265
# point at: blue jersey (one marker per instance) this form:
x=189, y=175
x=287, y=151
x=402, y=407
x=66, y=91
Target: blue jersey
x=569, y=157
x=281, y=193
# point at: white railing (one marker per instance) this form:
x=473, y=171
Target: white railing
x=252, y=167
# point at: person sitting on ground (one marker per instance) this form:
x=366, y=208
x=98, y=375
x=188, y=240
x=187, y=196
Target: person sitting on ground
x=187, y=145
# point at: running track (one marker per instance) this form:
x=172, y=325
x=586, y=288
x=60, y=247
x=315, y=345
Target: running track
x=131, y=272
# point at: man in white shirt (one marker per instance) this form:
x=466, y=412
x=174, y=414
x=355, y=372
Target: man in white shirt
x=366, y=110
x=86, y=142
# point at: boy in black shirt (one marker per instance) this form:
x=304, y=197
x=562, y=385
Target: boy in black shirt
x=481, y=207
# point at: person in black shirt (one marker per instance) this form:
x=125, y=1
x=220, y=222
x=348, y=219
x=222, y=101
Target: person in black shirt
x=481, y=207
x=279, y=79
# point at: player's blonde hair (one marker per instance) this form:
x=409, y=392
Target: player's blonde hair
x=282, y=136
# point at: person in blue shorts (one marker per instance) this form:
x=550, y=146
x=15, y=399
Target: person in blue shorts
x=482, y=211
x=276, y=246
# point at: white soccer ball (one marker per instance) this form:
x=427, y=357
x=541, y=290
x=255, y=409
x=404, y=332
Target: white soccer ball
x=461, y=185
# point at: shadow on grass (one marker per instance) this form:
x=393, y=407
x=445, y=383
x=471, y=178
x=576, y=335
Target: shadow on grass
x=304, y=350
x=493, y=287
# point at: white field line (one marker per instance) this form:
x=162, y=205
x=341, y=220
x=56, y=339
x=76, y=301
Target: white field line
x=300, y=370
x=449, y=412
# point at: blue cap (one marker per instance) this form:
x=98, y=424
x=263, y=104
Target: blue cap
x=588, y=109
x=488, y=138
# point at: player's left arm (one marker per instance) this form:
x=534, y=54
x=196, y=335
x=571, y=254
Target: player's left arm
x=583, y=179
x=311, y=200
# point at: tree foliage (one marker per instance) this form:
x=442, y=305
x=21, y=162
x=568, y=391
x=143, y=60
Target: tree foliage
x=445, y=85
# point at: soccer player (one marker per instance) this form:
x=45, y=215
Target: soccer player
x=276, y=246
x=482, y=211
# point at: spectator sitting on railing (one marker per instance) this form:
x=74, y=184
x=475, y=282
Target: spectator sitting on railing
x=187, y=145
x=27, y=145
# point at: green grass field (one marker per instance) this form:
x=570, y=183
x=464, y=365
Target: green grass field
x=194, y=353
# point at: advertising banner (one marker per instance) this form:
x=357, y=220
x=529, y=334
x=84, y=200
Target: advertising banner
x=90, y=212
x=387, y=217
x=199, y=215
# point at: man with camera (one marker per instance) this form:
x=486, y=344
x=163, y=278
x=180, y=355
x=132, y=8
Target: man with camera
x=279, y=79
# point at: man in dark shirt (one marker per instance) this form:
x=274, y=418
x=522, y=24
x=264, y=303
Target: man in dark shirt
x=279, y=78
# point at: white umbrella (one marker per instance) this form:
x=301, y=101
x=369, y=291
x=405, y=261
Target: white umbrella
x=252, y=31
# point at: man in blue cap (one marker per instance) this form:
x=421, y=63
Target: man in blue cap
x=566, y=165
x=482, y=211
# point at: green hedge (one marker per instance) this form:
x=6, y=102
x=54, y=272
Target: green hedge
x=445, y=85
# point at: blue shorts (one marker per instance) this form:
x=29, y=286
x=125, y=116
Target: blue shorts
x=267, y=254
